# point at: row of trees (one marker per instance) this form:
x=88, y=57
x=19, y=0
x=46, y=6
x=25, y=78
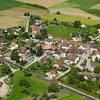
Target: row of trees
x=79, y=81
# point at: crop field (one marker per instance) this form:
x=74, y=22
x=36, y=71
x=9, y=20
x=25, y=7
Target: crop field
x=46, y=3
x=80, y=4
x=13, y=11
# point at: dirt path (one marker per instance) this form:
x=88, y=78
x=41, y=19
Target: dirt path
x=74, y=12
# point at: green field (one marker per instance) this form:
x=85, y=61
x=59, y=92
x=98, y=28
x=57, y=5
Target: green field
x=37, y=86
x=81, y=4
x=7, y=4
x=62, y=32
x=66, y=18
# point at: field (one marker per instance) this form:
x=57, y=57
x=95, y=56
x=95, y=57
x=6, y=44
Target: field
x=59, y=31
x=69, y=18
x=37, y=86
x=75, y=9
x=46, y=3
x=13, y=11
x=84, y=5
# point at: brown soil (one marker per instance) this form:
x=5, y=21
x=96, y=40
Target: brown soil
x=74, y=12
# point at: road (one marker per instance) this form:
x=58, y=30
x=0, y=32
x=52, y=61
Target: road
x=89, y=97
x=69, y=69
x=35, y=61
x=85, y=57
x=27, y=25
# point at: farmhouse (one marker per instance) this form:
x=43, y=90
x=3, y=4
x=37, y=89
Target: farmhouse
x=48, y=47
x=58, y=64
x=35, y=30
x=13, y=46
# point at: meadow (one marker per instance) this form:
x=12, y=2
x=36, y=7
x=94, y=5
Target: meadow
x=68, y=18
x=38, y=86
x=59, y=31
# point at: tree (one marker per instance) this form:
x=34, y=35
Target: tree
x=14, y=56
x=39, y=51
x=25, y=83
x=53, y=96
x=53, y=88
x=97, y=69
x=77, y=24
x=58, y=13
x=5, y=70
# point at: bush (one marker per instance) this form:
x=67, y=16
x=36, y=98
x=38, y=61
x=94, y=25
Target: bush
x=53, y=88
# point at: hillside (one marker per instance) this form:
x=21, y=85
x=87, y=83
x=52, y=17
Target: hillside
x=86, y=5
x=13, y=11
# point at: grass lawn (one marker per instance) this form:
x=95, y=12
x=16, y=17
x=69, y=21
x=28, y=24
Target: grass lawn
x=59, y=31
x=66, y=18
x=37, y=86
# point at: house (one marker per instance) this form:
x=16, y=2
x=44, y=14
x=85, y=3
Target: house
x=2, y=41
x=1, y=58
x=48, y=41
x=75, y=35
x=96, y=56
x=45, y=59
x=90, y=75
x=13, y=46
x=58, y=64
x=51, y=74
x=22, y=50
x=83, y=26
x=48, y=47
x=64, y=45
x=35, y=30
x=50, y=36
x=27, y=56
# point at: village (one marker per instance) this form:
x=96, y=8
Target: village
x=32, y=46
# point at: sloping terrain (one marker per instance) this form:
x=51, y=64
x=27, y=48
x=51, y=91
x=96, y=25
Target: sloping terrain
x=80, y=4
x=46, y=3
x=12, y=11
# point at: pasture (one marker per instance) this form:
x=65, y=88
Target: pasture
x=38, y=86
x=69, y=18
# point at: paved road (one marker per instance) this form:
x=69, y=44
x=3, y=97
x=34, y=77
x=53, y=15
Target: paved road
x=89, y=97
x=69, y=69
x=35, y=61
x=85, y=57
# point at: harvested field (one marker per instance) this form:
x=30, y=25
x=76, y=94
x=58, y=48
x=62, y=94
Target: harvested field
x=46, y=3
x=20, y=12
x=74, y=12
x=96, y=7
x=8, y=21
x=14, y=16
